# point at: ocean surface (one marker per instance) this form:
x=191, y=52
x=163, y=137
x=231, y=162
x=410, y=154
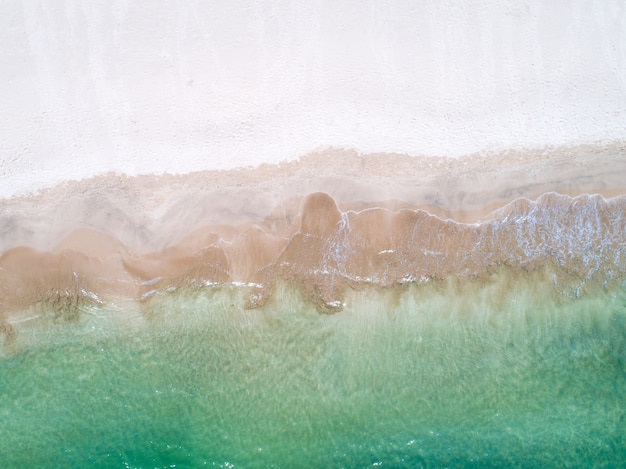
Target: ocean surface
x=183, y=323
x=500, y=372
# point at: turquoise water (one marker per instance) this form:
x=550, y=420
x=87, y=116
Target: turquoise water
x=496, y=374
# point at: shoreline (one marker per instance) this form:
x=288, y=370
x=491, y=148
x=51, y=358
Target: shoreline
x=328, y=223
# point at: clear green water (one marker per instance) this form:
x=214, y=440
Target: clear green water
x=442, y=376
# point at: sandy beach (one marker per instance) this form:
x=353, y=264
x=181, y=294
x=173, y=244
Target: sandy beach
x=89, y=89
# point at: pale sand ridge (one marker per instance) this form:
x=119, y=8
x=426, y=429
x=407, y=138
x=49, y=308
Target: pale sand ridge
x=148, y=213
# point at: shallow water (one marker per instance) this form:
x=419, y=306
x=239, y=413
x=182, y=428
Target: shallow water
x=499, y=372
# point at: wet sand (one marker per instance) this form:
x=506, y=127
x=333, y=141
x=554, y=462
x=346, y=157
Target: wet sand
x=329, y=222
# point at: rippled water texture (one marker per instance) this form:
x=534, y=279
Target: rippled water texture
x=496, y=373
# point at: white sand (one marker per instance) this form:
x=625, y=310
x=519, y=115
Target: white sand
x=150, y=87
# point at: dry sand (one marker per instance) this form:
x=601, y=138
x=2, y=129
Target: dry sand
x=182, y=87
